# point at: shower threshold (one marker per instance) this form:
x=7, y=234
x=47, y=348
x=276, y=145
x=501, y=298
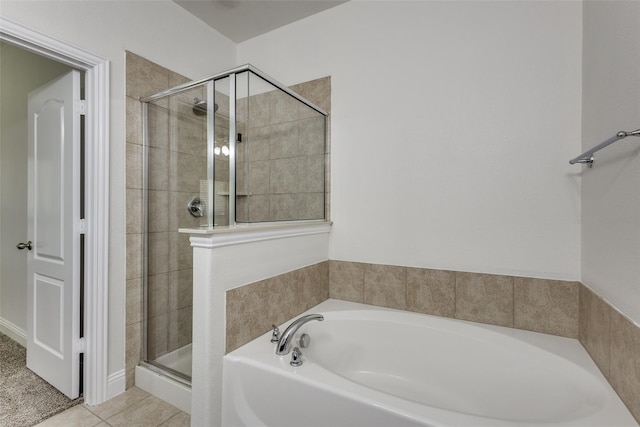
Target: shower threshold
x=178, y=360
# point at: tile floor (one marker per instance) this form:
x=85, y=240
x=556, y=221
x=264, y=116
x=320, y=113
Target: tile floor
x=134, y=407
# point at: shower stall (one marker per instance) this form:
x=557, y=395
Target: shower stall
x=232, y=150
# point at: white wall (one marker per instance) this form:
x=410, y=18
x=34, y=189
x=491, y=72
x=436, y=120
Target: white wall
x=164, y=33
x=20, y=73
x=452, y=127
x=611, y=189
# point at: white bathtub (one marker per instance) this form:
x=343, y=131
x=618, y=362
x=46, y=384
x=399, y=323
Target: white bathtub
x=370, y=366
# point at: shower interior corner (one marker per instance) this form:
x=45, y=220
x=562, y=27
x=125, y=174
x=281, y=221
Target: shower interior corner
x=234, y=148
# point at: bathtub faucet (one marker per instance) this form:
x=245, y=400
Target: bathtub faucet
x=284, y=344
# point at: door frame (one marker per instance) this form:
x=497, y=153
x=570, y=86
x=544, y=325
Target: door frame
x=96, y=181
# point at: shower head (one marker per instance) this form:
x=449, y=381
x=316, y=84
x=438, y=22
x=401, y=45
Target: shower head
x=200, y=107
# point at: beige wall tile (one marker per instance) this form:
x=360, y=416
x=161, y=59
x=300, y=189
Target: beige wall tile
x=133, y=345
x=190, y=170
x=311, y=169
x=158, y=169
x=134, y=210
x=191, y=133
x=242, y=209
x=283, y=176
x=259, y=207
x=317, y=91
x=624, y=372
x=173, y=331
x=157, y=336
x=134, y=256
x=346, y=281
x=283, y=107
x=484, y=298
x=180, y=289
x=312, y=135
x=134, y=166
x=311, y=206
x=246, y=312
x=242, y=172
x=185, y=328
x=159, y=119
x=385, y=285
x=431, y=291
x=158, y=253
x=283, y=140
x=252, y=309
x=259, y=177
x=134, y=301
x=258, y=141
x=158, y=217
x=134, y=121
x=594, y=328
x=313, y=283
x=176, y=79
x=259, y=111
x=158, y=294
x=144, y=77
x=548, y=306
x=283, y=207
x=184, y=256
x=281, y=299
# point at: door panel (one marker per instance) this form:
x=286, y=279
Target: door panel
x=49, y=180
x=53, y=283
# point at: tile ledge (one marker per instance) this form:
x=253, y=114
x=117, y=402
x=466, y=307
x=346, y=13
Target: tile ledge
x=249, y=233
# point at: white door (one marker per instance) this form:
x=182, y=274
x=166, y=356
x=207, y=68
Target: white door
x=53, y=266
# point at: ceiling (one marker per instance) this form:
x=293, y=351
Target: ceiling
x=241, y=20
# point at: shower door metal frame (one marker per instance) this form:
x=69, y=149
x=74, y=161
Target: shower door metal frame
x=210, y=84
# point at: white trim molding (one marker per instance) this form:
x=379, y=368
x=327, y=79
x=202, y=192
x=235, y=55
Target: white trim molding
x=96, y=194
x=218, y=238
x=116, y=383
x=13, y=331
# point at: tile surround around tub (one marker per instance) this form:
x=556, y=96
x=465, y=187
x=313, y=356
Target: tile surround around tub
x=252, y=309
x=539, y=305
x=613, y=341
x=563, y=308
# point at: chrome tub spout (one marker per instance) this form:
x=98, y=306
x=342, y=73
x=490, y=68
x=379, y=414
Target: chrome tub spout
x=284, y=344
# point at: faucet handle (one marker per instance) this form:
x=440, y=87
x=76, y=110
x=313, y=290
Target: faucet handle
x=296, y=357
x=275, y=334
x=304, y=340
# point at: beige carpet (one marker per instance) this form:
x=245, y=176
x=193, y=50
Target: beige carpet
x=25, y=398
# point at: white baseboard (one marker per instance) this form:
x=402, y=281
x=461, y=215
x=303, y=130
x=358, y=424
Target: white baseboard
x=14, y=332
x=116, y=383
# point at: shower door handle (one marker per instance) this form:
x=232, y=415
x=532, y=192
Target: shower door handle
x=27, y=245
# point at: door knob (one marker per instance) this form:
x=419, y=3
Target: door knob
x=27, y=245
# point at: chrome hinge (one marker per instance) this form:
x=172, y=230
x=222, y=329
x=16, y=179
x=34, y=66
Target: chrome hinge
x=80, y=345
x=81, y=226
x=80, y=106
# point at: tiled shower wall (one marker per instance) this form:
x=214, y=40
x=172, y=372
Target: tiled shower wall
x=555, y=307
x=281, y=161
x=170, y=255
